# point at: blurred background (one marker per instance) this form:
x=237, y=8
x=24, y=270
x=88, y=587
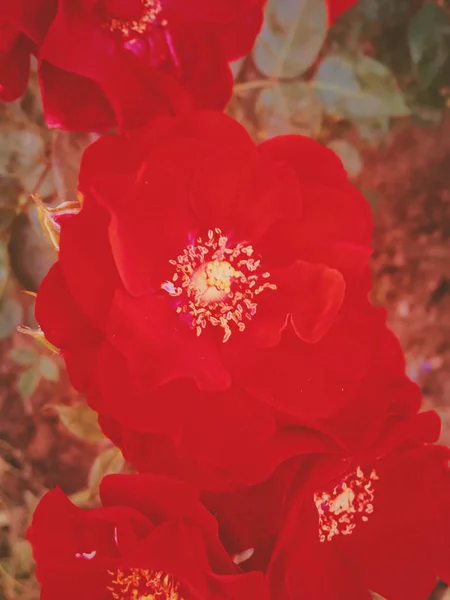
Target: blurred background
x=375, y=88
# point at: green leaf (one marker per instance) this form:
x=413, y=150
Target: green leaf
x=24, y=355
x=48, y=368
x=429, y=42
x=108, y=462
x=290, y=107
x=360, y=89
x=81, y=421
x=10, y=316
x=291, y=38
x=28, y=382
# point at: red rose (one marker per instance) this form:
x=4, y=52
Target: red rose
x=330, y=523
x=120, y=62
x=210, y=288
x=337, y=7
x=377, y=521
x=151, y=538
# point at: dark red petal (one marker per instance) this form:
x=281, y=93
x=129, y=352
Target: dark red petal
x=14, y=67
x=87, y=581
x=159, y=498
x=218, y=429
x=110, y=156
x=143, y=247
x=204, y=71
x=385, y=393
x=159, y=347
x=237, y=37
x=313, y=295
x=229, y=427
x=303, y=380
x=334, y=215
x=213, y=127
x=86, y=260
x=177, y=548
x=35, y=17
x=311, y=161
x=65, y=326
x=242, y=194
x=312, y=569
x=59, y=531
x=72, y=101
x=241, y=586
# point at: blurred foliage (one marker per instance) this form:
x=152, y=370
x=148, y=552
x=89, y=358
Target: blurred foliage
x=383, y=62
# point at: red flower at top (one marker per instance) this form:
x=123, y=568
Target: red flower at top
x=207, y=279
x=120, y=62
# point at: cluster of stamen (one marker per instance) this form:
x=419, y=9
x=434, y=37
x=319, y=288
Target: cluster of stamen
x=143, y=584
x=150, y=12
x=216, y=284
x=350, y=501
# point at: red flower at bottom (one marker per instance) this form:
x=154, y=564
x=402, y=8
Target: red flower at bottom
x=377, y=522
x=151, y=539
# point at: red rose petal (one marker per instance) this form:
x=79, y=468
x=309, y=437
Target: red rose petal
x=72, y=101
x=67, y=328
x=157, y=331
x=315, y=295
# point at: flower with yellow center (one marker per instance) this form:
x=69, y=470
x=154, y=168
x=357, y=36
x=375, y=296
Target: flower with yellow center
x=349, y=502
x=143, y=584
x=150, y=11
x=216, y=284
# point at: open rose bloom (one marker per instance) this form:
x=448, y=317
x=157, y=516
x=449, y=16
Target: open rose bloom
x=107, y=63
x=211, y=290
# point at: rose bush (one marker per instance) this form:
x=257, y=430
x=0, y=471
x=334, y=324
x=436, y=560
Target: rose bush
x=151, y=538
x=104, y=63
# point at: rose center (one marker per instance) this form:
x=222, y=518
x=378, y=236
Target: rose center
x=216, y=284
x=350, y=502
x=143, y=584
x=131, y=17
x=213, y=281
